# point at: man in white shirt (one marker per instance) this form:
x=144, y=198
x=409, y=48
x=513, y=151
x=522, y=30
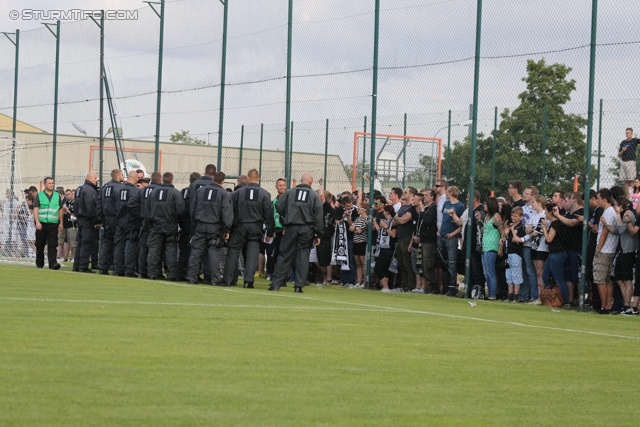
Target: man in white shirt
x=606, y=246
x=395, y=198
x=441, y=190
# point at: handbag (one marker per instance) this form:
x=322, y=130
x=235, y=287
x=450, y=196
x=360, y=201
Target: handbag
x=551, y=297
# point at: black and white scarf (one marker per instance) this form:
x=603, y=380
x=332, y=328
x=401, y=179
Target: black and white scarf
x=340, y=254
x=384, y=240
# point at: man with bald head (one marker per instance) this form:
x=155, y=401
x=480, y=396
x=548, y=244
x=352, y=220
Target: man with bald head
x=301, y=214
x=88, y=224
x=127, y=229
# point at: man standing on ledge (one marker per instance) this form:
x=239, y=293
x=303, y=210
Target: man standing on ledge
x=301, y=215
x=627, y=154
x=47, y=212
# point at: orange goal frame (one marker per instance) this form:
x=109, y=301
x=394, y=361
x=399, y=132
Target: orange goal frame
x=356, y=135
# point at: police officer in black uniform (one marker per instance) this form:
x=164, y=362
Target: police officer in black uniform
x=206, y=179
x=301, y=214
x=212, y=217
x=106, y=206
x=252, y=209
x=88, y=224
x=164, y=211
x=126, y=239
x=184, y=245
x=137, y=205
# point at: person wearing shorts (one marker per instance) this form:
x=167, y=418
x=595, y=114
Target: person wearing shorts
x=627, y=154
x=606, y=247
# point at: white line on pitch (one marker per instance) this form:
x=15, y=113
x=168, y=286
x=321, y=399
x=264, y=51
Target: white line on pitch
x=453, y=316
x=187, y=304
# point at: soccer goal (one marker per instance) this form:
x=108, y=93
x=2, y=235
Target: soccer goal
x=17, y=229
x=414, y=160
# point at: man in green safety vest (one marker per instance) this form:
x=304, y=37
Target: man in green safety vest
x=48, y=215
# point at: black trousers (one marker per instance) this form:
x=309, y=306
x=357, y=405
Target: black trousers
x=47, y=236
x=298, y=240
x=108, y=245
x=273, y=249
x=126, y=252
x=201, y=248
x=184, y=249
x=156, y=242
x=88, y=238
x=243, y=234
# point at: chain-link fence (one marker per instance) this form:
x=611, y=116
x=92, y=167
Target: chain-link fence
x=532, y=107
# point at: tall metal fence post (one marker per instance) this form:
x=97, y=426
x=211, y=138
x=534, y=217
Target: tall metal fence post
x=587, y=175
x=241, y=149
x=291, y=150
x=404, y=153
x=364, y=150
x=495, y=149
x=223, y=72
x=159, y=97
x=261, y=141
x=55, y=98
x=448, y=147
x=287, y=131
x=474, y=140
x=101, y=119
x=16, y=43
x=326, y=154
x=14, y=126
x=599, y=146
x=543, y=170
x=374, y=116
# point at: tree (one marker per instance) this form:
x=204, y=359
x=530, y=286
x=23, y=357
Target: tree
x=425, y=175
x=520, y=137
x=360, y=170
x=183, y=137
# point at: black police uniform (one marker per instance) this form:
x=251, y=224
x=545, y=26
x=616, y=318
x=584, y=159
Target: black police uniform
x=137, y=205
x=301, y=215
x=193, y=189
x=251, y=209
x=212, y=217
x=88, y=233
x=106, y=206
x=126, y=239
x=164, y=210
x=184, y=245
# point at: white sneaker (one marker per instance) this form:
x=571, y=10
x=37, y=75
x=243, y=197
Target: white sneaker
x=385, y=290
x=420, y=291
x=535, y=302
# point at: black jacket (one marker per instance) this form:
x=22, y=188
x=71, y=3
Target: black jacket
x=165, y=209
x=122, y=197
x=86, y=201
x=301, y=205
x=252, y=204
x=212, y=205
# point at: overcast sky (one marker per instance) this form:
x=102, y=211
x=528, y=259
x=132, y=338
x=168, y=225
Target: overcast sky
x=426, y=55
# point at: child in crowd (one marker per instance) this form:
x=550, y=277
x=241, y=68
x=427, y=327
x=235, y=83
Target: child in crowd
x=514, y=253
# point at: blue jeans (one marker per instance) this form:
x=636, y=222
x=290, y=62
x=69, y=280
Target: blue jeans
x=554, y=267
x=489, y=266
x=451, y=244
x=529, y=289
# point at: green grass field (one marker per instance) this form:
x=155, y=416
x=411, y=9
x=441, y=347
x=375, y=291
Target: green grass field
x=85, y=350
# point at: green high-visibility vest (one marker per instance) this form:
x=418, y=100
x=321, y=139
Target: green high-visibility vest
x=49, y=208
